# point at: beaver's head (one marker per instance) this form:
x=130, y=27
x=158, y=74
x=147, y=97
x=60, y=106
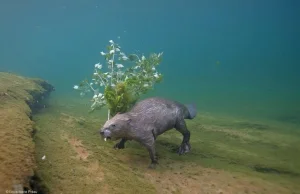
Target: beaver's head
x=116, y=127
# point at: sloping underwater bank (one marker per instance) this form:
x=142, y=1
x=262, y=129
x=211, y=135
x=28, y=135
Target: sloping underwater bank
x=229, y=155
x=19, y=98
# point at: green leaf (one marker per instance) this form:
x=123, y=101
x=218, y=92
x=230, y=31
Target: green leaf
x=109, y=47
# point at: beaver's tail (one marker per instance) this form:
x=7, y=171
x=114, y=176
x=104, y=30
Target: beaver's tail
x=192, y=111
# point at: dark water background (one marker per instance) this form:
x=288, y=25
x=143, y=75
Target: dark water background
x=230, y=57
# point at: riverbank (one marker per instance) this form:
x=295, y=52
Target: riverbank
x=20, y=97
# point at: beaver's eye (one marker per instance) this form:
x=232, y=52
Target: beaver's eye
x=113, y=125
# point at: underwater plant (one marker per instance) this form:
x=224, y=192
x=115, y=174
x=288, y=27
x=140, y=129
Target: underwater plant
x=121, y=87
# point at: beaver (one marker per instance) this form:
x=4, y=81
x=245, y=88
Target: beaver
x=148, y=119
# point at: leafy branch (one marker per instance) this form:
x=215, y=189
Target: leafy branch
x=121, y=87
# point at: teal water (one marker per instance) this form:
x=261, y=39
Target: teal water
x=230, y=57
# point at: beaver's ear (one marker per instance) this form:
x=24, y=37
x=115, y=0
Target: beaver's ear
x=128, y=120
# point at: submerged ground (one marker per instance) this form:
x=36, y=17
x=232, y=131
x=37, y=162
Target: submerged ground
x=229, y=155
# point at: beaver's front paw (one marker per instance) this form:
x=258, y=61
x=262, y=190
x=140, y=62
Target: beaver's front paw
x=119, y=146
x=184, y=148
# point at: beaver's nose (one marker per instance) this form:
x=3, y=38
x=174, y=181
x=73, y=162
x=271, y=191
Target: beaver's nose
x=102, y=131
x=105, y=132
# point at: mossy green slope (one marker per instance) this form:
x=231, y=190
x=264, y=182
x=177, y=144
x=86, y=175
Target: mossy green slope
x=17, y=94
x=228, y=156
x=78, y=161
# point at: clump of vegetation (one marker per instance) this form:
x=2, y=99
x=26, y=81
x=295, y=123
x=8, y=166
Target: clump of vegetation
x=118, y=98
x=122, y=87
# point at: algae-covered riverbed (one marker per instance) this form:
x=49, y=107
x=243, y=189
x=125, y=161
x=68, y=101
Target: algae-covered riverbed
x=229, y=155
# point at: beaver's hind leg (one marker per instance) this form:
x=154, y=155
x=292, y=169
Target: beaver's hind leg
x=185, y=145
